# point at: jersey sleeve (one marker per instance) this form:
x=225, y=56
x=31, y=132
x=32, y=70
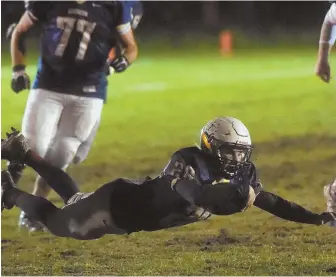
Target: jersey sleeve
x=37, y=10
x=124, y=17
x=136, y=14
x=331, y=14
x=285, y=209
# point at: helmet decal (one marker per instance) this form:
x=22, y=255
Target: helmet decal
x=205, y=141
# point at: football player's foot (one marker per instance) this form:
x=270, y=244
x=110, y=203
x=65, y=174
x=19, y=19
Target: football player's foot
x=7, y=183
x=14, y=147
x=332, y=223
x=25, y=222
x=16, y=170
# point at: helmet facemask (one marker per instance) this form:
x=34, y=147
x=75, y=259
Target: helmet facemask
x=233, y=157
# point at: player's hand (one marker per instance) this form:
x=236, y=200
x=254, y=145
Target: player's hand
x=322, y=70
x=326, y=217
x=20, y=79
x=189, y=173
x=183, y=173
x=119, y=64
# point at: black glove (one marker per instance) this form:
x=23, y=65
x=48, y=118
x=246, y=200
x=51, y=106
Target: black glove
x=326, y=217
x=20, y=80
x=120, y=64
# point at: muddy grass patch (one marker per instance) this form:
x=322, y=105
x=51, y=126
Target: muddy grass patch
x=222, y=239
x=305, y=143
x=179, y=240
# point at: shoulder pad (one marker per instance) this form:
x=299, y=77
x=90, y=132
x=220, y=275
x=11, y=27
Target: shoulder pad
x=189, y=151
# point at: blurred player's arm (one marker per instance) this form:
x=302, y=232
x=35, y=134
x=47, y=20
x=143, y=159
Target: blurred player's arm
x=125, y=38
x=131, y=14
x=327, y=40
x=130, y=45
x=20, y=80
x=17, y=44
x=35, y=12
x=287, y=210
x=136, y=13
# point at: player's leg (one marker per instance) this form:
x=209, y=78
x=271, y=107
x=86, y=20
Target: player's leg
x=78, y=118
x=87, y=216
x=62, y=159
x=39, y=124
x=16, y=149
x=77, y=126
x=84, y=148
x=40, y=128
x=77, y=121
x=36, y=207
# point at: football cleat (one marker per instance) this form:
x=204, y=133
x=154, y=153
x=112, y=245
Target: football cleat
x=16, y=170
x=14, y=147
x=25, y=222
x=7, y=183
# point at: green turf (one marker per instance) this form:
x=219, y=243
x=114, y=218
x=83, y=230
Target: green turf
x=159, y=105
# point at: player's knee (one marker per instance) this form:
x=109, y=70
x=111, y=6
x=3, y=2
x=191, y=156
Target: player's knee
x=82, y=153
x=62, y=152
x=38, y=143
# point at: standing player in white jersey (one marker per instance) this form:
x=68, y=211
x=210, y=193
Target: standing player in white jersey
x=327, y=40
x=64, y=106
x=322, y=69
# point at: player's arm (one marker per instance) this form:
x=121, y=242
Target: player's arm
x=20, y=79
x=220, y=199
x=126, y=38
x=17, y=44
x=136, y=13
x=287, y=210
x=130, y=45
x=327, y=39
x=131, y=17
x=35, y=11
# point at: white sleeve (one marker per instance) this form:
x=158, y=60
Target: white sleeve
x=124, y=28
x=331, y=14
x=333, y=35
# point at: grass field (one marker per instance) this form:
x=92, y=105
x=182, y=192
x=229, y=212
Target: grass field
x=159, y=105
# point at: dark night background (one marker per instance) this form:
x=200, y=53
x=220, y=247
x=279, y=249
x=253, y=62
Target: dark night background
x=178, y=19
